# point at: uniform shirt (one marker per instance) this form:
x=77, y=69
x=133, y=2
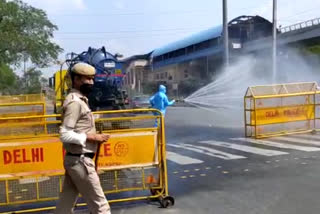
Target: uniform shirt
x=78, y=117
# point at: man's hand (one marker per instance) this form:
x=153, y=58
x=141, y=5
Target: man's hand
x=98, y=138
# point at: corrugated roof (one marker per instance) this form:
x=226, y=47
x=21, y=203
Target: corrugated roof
x=210, y=33
x=194, y=55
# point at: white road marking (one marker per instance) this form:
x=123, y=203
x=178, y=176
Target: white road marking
x=244, y=148
x=308, y=136
x=278, y=144
x=181, y=159
x=208, y=151
x=299, y=140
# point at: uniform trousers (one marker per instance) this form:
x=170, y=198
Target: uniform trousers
x=81, y=177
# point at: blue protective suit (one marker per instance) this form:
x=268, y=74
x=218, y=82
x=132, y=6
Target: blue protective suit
x=160, y=100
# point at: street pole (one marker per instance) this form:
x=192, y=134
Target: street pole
x=225, y=32
x=274, y=41
x=207, y=75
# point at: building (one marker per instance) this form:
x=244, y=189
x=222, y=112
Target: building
x=199, y=58
x=137, y=73
x=185, y=65
x=194, y=61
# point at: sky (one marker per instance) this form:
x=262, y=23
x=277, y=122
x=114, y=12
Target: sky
x=131, y=27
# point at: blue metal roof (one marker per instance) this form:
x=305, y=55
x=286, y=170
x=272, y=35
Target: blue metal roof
x=195, y=55
x=210, y=33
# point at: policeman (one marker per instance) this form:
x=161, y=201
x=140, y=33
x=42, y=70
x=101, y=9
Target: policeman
x=79, y=138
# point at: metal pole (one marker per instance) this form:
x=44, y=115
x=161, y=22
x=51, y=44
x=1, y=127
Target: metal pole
x=207, y=76
x=274, y=41
x=62, y=82
x=225, y=32
x=177, y=91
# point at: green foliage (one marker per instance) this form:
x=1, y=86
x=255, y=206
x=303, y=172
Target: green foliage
x=8, y=80
x=150, y=87
x=189, y=86
x=25, y=36
x=314, y=49
x=31, y=82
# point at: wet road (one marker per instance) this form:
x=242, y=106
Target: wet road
x=213, y=169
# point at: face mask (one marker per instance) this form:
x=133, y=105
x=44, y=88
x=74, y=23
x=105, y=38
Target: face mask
x=86, y=89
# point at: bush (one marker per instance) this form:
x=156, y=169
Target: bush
x=189, y=86
x=150, y=87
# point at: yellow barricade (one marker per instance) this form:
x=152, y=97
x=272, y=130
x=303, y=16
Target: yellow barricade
x=282, y=109
x=133, y=160
x=22, y=105
x=22, y=98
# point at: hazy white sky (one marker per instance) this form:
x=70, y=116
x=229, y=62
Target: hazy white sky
x=139, y=26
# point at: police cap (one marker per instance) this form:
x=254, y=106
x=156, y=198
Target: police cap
x=83, y=69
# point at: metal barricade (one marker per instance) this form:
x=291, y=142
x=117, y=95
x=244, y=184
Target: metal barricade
x=131, y=166
x=22, y=105
x=22, y=98
x=282, y=109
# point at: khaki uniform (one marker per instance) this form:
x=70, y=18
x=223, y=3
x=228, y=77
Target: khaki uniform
x=80, y=176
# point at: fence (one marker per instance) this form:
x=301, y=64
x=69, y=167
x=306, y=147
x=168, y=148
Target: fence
x=132, y=164
x=300, y=25
x=274, y=110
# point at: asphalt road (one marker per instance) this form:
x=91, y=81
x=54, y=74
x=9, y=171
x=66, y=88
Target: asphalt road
x=213, y=169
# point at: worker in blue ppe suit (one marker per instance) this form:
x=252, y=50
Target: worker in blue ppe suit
x=160, y=100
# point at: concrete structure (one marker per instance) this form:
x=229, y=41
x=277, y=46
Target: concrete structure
x=298, y=34
x=137, y=72
x=199, y=58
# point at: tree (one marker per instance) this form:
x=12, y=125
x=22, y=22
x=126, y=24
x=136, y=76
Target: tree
x=31, y=82
x=8, y=80
x=314, y=49
x=149, y=87
x=25, y=34
x=189, y=86
x=44, y=82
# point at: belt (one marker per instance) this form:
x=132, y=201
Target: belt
x=89, y=155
